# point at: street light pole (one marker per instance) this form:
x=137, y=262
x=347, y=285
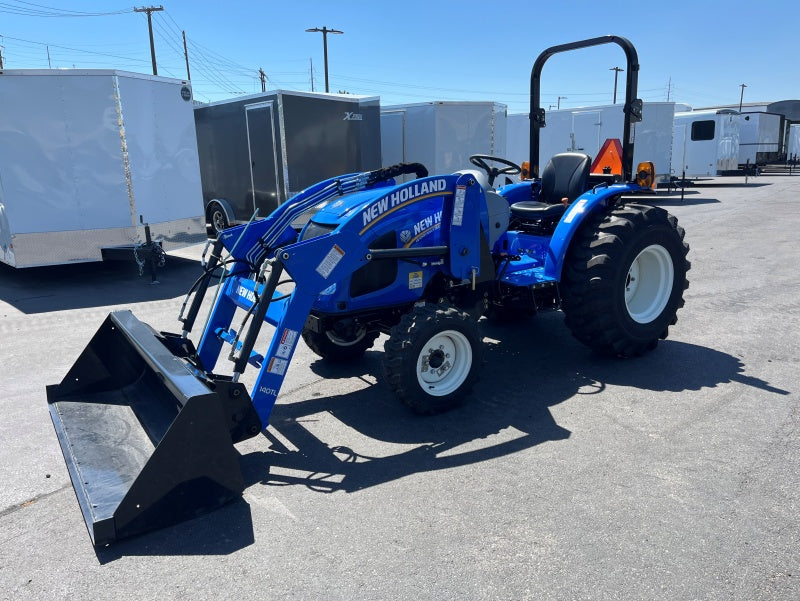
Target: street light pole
x=325, y=31
x=741, y=97
x=560, y=98
x=616, y=71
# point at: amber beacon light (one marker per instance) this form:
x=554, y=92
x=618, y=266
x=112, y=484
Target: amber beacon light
x=646, y=175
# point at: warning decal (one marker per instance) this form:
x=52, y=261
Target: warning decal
x=287, y=343
x=458, y=205
x=277, y=366
x=330, y=261
x=414, y=280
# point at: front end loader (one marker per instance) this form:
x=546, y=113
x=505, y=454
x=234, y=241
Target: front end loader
x=147, y=420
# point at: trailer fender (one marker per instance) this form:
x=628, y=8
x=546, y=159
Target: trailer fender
x=597, y=199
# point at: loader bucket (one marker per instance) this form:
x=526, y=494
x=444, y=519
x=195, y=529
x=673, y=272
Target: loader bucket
x=146, y=442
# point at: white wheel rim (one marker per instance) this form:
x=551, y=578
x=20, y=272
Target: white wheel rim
x=444, y=363
x=648, y=285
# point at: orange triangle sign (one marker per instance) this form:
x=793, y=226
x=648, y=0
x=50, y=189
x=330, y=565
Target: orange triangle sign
x=609, y=159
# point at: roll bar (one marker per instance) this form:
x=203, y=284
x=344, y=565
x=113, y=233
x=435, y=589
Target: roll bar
x=632, y=108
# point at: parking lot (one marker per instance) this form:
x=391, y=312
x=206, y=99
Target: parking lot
x=566, y=476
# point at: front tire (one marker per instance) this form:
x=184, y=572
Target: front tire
x=432, y=358
x=623, y=280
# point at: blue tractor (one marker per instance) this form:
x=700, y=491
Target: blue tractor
x=147, y=424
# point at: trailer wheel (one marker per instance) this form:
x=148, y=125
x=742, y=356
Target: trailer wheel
x=340, y=347
x=623, y=280
x=217, y=219
x=432, y=357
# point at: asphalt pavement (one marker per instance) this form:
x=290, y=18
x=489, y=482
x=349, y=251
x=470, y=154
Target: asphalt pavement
x=566, y=476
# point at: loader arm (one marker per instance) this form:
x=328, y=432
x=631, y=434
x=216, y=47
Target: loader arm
x=314, y=264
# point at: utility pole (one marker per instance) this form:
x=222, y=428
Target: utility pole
x=560, y=98
x=311, y=62
x=669, y=87
x=325, y=31
x=741, y=97
x=616, y=71
x=263, y=77
x=186, y=56
x=149, y=10
x=1, y=57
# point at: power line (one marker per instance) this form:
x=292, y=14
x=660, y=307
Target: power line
x=39, y=10
x=73, y=49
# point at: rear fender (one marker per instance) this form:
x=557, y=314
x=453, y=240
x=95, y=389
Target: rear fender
x=597, y=199
x=521, y=191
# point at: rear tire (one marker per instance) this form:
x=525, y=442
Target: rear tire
x=432, y=358
x=339, y=349
x=623, y=280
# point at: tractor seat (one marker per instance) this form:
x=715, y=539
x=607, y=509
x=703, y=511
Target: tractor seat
x=565, y=175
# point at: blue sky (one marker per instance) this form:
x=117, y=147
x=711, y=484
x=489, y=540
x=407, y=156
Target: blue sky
x=698, y=53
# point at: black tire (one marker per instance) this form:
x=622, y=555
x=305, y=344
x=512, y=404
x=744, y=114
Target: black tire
x=216, y=218
x=623, y=280
x=438, y=336
x=338, y=349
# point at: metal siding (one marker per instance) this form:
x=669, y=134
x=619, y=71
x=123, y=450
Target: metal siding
x=517, y=138
x=369, y=130
x=263, y=164
x=224, y=157
x=61, y=153
x=420, y=137
x=654, y=137
x=392, y=137
x=462, y=129
x=320, y=143
x=793, y=145
x=162, y=150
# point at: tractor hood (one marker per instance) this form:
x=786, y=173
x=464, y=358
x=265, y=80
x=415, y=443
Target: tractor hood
x=378, y=204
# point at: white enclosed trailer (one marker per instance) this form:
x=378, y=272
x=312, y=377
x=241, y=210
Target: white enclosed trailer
x=587, y=129
x=87, y=157
x=442, y=135
x=706, y=143
x=760, y=138
x=793, y=145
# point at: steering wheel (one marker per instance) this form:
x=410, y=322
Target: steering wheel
x=479, y=160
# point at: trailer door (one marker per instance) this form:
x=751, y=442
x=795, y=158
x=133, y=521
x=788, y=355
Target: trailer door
x=263, y=157
x=586, y=132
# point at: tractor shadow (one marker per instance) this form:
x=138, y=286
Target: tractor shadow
x=84, y=285
x=508, y=412
x=673, y=199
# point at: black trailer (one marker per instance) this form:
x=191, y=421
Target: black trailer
x=256, y=152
